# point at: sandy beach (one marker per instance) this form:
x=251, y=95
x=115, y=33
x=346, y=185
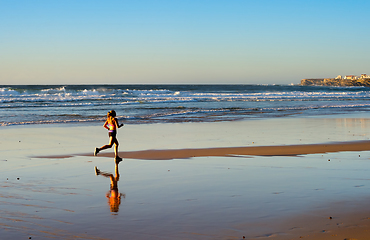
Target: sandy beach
x=282, y=178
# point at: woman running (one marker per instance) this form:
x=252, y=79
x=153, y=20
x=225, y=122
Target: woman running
x=112, y=125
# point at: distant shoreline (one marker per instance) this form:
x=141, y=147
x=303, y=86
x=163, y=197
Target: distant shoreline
x=365, y=82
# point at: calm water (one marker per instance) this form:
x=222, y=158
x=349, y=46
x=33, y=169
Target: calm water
x=41, y=104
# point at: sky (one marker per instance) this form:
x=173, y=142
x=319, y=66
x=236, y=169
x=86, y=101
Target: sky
x=182, y=41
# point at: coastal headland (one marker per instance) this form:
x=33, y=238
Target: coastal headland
x=346, y=81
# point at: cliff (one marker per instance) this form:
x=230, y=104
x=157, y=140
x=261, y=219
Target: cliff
x=335, y=82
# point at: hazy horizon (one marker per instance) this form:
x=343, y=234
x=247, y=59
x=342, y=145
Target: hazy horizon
x=181, y=42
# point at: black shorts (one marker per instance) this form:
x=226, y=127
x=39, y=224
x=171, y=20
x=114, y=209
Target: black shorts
x=112, y=133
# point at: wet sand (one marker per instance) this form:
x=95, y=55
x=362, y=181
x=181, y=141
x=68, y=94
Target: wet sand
x=338, y=220
x=258, y=179
x=291, y=150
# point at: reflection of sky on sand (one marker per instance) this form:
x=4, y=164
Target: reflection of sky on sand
x=175, y=198
x=354, y=126
x=281, y=131
x=69, y=139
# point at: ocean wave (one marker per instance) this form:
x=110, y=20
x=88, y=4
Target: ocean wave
x=104, y=99
x=46, y=104
x=64, y=93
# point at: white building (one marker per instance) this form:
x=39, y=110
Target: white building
x=350, y=77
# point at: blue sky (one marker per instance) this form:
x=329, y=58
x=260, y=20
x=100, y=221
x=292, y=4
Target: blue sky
x=184, y=41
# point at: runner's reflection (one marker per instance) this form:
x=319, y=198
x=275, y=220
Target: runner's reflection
x=114, y=196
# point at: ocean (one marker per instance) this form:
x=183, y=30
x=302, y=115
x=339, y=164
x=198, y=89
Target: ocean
x=146, y=104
